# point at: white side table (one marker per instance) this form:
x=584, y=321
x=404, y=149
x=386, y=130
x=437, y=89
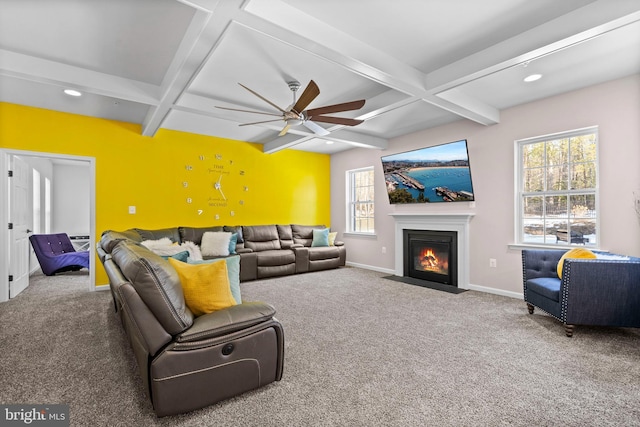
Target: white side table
x=80, y=243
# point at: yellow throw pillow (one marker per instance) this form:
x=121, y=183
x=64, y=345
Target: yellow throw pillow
x=332, y=238
x=577, y=253
x=206, y=287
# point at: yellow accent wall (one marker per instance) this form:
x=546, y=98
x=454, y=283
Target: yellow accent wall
x=152, y=173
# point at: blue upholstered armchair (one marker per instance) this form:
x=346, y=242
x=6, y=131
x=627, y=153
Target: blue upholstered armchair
x=603, y=291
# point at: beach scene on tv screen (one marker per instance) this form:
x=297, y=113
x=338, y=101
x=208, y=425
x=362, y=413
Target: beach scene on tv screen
x=432, y=174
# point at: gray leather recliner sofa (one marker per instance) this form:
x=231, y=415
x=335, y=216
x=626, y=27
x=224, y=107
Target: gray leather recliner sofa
x=265, y=250
x=186, y=362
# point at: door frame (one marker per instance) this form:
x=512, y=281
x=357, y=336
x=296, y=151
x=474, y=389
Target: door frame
x=5, y=155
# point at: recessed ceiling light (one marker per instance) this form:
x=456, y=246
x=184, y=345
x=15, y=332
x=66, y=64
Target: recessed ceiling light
x=330, y=142
x=533, y=78
x=72, y=92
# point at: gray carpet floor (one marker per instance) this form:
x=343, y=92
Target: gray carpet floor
x=360, y=350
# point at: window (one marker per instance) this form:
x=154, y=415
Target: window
x=557, y=189
x=37, y=215
x=47, y=205
x=360, y=201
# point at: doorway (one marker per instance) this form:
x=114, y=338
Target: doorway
x=65, y=164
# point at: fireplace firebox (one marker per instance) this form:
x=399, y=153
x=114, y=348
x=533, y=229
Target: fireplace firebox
x=431, y=256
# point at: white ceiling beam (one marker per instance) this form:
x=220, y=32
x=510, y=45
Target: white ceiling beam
x=202, y=37
x=283, y=142
x=202, y=5
x=289, y=25
x=292, y=138
x=563, y=32
x=50, y=72
x=357, y=139
x=469, y=107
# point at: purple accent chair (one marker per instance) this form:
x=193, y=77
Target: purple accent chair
x=56, y=253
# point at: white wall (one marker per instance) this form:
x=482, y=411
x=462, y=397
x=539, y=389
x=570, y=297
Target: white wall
x=70, y=199
x=613, y=106
x=45, y=168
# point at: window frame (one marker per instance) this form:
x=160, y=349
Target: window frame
x=520, y=193
x=350, y=202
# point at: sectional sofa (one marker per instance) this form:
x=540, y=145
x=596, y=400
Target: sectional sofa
x=264, y=250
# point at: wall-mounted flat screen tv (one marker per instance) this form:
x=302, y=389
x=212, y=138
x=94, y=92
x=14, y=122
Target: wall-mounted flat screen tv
x=440, y=173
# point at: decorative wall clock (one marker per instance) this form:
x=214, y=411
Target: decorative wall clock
x=223, y=192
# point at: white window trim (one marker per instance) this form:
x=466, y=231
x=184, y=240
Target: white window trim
x=518, y=223
x=349, y=230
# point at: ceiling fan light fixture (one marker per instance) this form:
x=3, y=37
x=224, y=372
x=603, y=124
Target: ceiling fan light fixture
x=73, y=92
x=297, y=114
x=532, y=78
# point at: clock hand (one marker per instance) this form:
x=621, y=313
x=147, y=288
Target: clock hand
x=218, y=186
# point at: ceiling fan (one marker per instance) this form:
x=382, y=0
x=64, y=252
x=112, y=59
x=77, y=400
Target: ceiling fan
x=296, y=114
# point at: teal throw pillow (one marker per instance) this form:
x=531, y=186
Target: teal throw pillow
x=320, y=237
x=233, y=268
x=233, y=242
x=180, y=256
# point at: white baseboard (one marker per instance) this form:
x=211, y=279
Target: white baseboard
x=371, y=267
x=516, y=295
x=102, y=288
x=495, y=291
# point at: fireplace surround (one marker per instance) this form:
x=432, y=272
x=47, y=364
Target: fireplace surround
x=448, y=222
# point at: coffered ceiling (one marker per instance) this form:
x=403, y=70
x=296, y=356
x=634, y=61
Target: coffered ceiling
x=417, y=63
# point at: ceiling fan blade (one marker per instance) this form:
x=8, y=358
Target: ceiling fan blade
x=346, y=106
x=257, y=123
x=310, y=93
x=337, y=120
x=284, y=129
x=250, y=111
x=263, y=98
x=315, y=128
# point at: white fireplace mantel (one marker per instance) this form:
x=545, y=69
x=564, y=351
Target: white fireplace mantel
x=454, y=221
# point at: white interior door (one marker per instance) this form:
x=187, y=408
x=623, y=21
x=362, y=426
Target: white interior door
x=20, y=217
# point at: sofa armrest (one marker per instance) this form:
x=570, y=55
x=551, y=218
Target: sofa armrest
x=229, y=320
x=601, y=292
x=296, y=245
x=140, y=323
x=244, y=251
x=302, y=258
x=338, y=243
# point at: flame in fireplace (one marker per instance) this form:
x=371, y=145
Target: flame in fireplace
x=429, y=260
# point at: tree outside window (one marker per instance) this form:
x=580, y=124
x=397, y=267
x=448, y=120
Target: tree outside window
x=557, y=189
x=360, y=203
